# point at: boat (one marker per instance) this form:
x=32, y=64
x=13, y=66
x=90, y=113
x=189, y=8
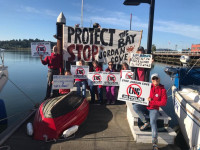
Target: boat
x=186, y=100
x=3, y=70
x=55, y=115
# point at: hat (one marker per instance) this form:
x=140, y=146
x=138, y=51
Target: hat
x=95, y=25
x=140, y=48
x=155, y=75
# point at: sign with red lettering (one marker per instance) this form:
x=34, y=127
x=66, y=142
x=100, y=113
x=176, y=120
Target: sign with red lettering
x=40, y=48
x=95, y=78
x=134, y=91
x=127, y=74
x=111, y=78
x=79, y=72
x=101, y=44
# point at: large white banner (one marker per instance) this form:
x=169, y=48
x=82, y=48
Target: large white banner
x=63, y=82
x=141, y=60
x=79, y=72
x=127, y=74
x=100, y=44
x=95, y=78
x=134, y=91
x=40, y=48
x=111, y=78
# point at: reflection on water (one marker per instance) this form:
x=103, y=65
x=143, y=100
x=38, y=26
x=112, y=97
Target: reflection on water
x=30, y=76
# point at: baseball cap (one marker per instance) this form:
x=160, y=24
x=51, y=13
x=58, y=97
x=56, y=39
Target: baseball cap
x=155, y=75
x=140, y=48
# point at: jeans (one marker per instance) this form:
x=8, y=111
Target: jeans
x=99, y=91
x=110, y=93
x=141, y=110
x=51, y=72
x=82, y=84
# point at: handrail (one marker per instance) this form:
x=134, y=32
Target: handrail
x=175, y=52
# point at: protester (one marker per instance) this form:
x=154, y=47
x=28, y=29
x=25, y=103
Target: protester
x=54, y=63
x=99, y=88
x=110, y=90
x=81, y=82
x=124, y=67
x=139, y=72
x=65, y=91
x=157, y=98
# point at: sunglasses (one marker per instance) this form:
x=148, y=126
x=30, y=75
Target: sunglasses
x=110, y=64
x=155, y=78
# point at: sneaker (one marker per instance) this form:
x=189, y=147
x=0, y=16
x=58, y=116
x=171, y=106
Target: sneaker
x=145, y=126
x=113, y=102
x=108, y=102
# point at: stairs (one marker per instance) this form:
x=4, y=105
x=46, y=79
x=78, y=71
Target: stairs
x=165, y=134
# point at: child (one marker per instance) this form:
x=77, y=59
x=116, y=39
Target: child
x=65, y=91
x=81, y=82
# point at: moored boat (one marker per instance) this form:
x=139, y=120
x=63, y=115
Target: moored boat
x=3, y=70
x=186, y=100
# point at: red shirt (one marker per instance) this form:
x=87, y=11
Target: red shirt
x=54, y=61
x=158, y=97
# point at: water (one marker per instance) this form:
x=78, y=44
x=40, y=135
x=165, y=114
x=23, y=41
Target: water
x=31, y=77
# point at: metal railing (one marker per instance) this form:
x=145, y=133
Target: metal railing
x=177, y=52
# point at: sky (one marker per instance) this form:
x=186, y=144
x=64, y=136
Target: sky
x=176, y=22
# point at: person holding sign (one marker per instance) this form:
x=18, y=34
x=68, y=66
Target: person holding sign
x=139, y=72
x=65, y=91
x=124, y=67
x=110, y=90
x=54, y=63
x=96, y=68
x=81, y=82
x=157, y=98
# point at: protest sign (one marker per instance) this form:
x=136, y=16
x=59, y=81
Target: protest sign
x=101, y=44
x=40, y=48
x=95, y=78
x=141, y=60
x=79, y=72
x=127, y=74
x=63, y=82
x=111, y=78
x=134, y=91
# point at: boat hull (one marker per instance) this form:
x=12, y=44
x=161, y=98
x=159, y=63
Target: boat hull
x=3, y=77
x=58, y=114
x=188, y=118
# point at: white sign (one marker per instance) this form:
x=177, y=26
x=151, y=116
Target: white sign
x=63, y=82
x=79, y=72
x=141, y=60
x=95, y=78
x=127, y=74
x=40, y=48
x=100, y=44
x=111, y=78
x=134, y=91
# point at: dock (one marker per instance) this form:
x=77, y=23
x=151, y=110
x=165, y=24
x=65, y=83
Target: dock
x=106, y=128
x=173, y=57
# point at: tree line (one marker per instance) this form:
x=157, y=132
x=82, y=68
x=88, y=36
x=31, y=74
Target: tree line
x=20, y=44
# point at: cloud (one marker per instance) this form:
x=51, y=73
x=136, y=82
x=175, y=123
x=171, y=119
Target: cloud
x=33, y=10
x=188, y=30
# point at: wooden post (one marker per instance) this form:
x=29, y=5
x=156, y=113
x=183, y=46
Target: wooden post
x=60, y=22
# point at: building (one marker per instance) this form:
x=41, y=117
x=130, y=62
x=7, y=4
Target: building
x=195, y=48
